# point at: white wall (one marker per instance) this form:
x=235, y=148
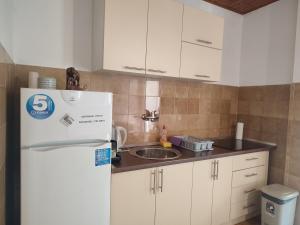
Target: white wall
x=6, y=22
x=232, y=40
x=268, y=44
x=53, y=33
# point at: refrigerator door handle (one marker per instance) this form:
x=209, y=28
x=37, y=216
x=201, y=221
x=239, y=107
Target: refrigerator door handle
x=48, y=146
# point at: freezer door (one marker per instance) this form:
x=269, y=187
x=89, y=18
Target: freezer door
x=64, y=116
x=66, y=186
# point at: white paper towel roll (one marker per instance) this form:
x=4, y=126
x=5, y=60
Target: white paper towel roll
x=239, y=131
x=33, y=79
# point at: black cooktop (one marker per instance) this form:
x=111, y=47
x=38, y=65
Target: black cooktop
x=237, y=145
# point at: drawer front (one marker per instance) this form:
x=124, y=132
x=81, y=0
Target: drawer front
x=246, y=192
x=244, y=208
x=248, y=176
x=250, y=160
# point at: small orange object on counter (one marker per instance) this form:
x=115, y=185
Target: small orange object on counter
x=163, y=138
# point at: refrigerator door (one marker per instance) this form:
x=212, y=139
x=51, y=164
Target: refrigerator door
x=66, y=186
x=49, y=116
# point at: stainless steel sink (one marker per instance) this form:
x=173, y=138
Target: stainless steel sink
x=156, y=153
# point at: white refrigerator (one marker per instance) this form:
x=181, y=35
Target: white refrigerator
x=65, y=157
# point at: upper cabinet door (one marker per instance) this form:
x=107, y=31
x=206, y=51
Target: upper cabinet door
x=164, y=37
x=202, y=28
x=173, y=197
x=125, y=35
x=199, y=62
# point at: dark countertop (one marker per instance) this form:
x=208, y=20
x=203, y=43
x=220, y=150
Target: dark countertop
x=226, y=148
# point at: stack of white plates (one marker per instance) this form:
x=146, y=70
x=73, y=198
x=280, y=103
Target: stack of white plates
x=47, y=83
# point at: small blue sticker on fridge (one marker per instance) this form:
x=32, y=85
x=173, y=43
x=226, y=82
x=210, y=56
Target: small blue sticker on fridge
x=102, y=156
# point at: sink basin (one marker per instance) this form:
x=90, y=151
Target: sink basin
x=156, y=153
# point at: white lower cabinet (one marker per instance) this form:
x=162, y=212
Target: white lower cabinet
x=211, y=193
x=222, y=192
x=132, y=200
x=159, y=196
x=250, y=173
x=173, y=198
x=202, y=194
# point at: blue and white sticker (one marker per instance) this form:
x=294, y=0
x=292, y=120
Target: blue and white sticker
x=102, y=156
x=40, y=106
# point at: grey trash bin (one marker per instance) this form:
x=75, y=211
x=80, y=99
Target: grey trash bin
x=278, y=205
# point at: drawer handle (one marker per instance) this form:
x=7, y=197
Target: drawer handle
x=251, y=159
x=202, y=76
x=157, y=71
x=249, y=206
x=250, y=191
x=251, y=175
x=204, y=41
x=134, y=68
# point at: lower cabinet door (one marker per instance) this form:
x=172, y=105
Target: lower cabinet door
x=202, y=194
x=173, y=197
x=222, y=192
x=133, y=198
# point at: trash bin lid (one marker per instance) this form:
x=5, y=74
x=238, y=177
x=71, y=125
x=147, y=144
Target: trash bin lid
x=280, y=192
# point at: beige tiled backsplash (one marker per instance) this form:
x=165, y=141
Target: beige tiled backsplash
x=186, y=107
x=5, y=73
x=265, y=112
x=270, y=113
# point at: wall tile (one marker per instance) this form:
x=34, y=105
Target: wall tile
x=167, y=88
x=135, y=124
x=137, y=86
x=120, y=104
x=181, y=106
x=182, y=89
x=3, y=74
x=167, y=105
x=2, y=145
x=2, y=196
x=193, y=89
x=193, y=105
x=136, y=105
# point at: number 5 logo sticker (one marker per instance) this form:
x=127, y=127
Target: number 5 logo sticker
x=40, y=106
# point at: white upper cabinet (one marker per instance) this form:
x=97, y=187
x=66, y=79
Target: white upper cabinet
x=164, y=37
x=199, y=62
x=203, y=28
x=157, y=37
x=125, y=35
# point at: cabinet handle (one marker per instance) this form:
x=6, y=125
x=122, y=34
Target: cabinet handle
x=249, y=206
x=202, y=76
x=204, y=41
x=134, y=68
x=153, y=182
x=251, y=175
x=250, y=191
x=213, y=171
x=251, y=159
x=217, y=175
x=161, y=183
x=156, y=71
